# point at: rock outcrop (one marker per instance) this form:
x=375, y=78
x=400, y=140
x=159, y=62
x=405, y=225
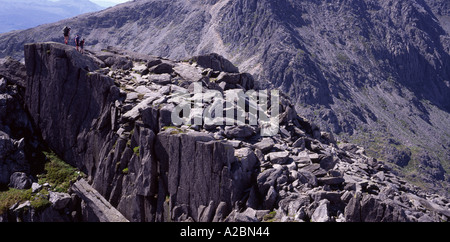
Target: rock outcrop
x=18, y=140
x=95, y=207
x=373, y=72
x=110, y=114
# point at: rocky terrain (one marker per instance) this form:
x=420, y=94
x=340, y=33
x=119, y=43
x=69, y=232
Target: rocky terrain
x=109, y=114
x=375, y=73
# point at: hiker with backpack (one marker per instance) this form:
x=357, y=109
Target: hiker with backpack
x=66, y=32
x=77, y=42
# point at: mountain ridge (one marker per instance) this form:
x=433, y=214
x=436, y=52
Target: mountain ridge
x=109, y=114
x=374, y=72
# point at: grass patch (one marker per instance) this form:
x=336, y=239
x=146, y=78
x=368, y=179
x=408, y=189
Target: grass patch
x=13, y=196
x=136, y=150
x=58, y=173
x=270, y=217
x=40, y=201
x=125, y=171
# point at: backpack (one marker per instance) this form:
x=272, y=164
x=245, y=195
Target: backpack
x=66, y=30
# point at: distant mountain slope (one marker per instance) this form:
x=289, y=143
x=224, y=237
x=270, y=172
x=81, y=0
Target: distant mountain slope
x=375, y=72
x=23, y=14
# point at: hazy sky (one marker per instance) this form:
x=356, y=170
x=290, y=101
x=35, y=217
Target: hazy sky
x=108, y=2
x=104, y=2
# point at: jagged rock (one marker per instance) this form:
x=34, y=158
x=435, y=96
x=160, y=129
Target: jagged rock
x=352, y=211
x=331, y=180
x=270, y=199
x=13, y=71
x=59, y=200
x=163, y=68
x=188, y=72
x=321, y=213
x=206, y=214
x=153, y=62
x=249, y=215
x=268, y=178
x=152, y=171
x=215, y=62
x=299, y=143
x=3, y=84
x=243, y=131
x=97, y=204
x=247, y=158
x=20, y=180
x=162, y=79
x=221, y=212
x=278, y=157
x=265, y=145
x=35, y=187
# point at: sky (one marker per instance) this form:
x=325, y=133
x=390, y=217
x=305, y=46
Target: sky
x=108, y=3
x=105, y=3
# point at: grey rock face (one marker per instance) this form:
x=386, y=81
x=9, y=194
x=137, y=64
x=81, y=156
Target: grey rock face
x=146, y=168
x=321, y=212
x=101, y=210
x=359, y=75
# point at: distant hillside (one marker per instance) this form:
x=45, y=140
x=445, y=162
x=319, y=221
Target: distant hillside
x=24, y=14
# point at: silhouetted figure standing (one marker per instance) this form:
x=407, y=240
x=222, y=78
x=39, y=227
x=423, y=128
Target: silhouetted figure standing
x=82, y=46
x=77, y=42
x=66, y=32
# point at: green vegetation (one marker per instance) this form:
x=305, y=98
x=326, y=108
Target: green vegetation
x=58, y=173
x=270, y=217
x=12, y=196
x=175, y=130
x=125, y=171
x=40, y=201
x=136, y=150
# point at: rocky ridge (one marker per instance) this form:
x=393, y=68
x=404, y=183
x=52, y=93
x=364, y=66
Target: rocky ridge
x=109, y=114
x=372, y=72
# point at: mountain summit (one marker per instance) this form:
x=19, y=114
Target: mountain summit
x=377, y=73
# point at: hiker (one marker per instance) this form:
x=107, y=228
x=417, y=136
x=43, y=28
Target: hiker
x=66, y=32
x=82, y=46
x=77, y=42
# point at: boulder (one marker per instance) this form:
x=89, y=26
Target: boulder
x=248, y=159
x=163, y=68
x=35, y=187
x=20, y=180
x=279, y=157
x=242, y=131
x=331, y=180
x=321, y=213
x=230, y=78
x=215, y=62
x=100, y=210
x=352, y=211
x=267, y=179
x=162, y=79
x=59, y=200
x=270, y=199
x=265, y=145
x=307, y=177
